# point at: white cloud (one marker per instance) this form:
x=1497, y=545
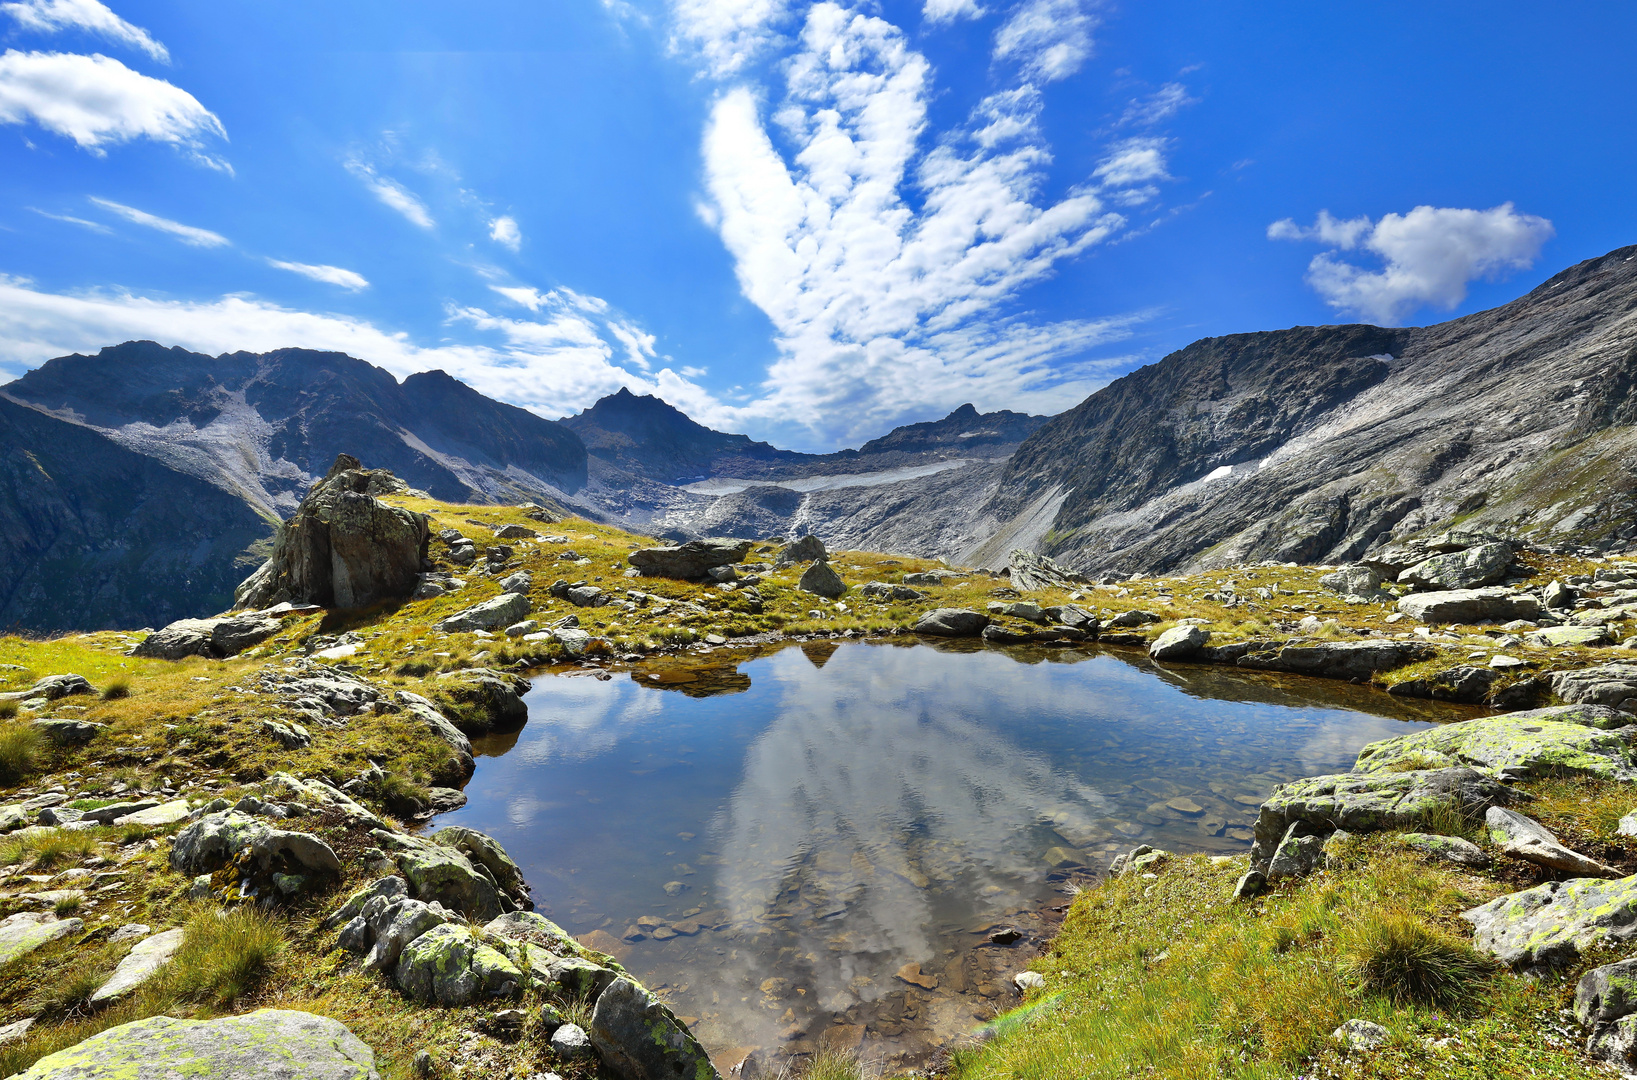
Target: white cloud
x=554, y=366
x=1048, y=39
x=947, y=11
x=392, y=194
x=531, y=298
x=1132, y=162
x=1431, y=254
x=98, y=101
x=94, y=226
x=1163, y=104
x=503, y=230
x=727, y=35
x=884, y=309
x=188, y=234
x=90, y=16
x=329, y=275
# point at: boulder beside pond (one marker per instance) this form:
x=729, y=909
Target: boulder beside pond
x=689, y=561
x=638, y=1038
x=1549, y=926
x=1535, y=743
x=952, y=622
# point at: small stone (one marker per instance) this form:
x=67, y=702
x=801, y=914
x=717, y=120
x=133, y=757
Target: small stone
x=1525, y=838
x=675, y=888
x=571, y=1043
x=1026, y=981
x=1250, y=883
x=912, y=974
x=422, y=1066
x=1361, y=1035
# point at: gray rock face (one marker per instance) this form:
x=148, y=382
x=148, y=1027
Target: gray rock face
x=436, y=872
x=808, y=549
x=344, y=548
x=638, y=1038
x=388, y=888
x=1031, y=572
x=139, y=965
x=498, y=693
x=493, y=614
x=211, y=842
x=386, y=927
x=952, y=622
x=1463, y=683
x=1612, y=685
x=450, y=965
x=28, y=930
x=53, y=688
x=1179, y=643
x=571, y=1043
x=1369, y=803
x=1356, y=580
x=1339, y=659
x=1558, y=595
x=1557, y=637
x=271, y=1043
x=691, y=560
x=1477, y=565
x=485, y=851
x=1361, y=1035
x=1453, y=848
x=1525, y=838
x=587, y=596
x=1537, y=743
x=820, y=579
x=1494, y=605
x=1548, y=927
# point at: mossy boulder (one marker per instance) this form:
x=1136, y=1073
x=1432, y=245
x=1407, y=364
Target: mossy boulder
x=1537, y=743
x=1549, y=926
x=278, y=1043
x=452, y=966
x=444, y=874
x=638, y=1038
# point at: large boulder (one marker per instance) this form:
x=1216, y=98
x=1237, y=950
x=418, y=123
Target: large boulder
x=1031, y=572
x=344, y=548
x=952, y=622
x=497, y=695
x=1549, y=926
x=638, y=1038
x=213, y=841
x=275, y=1044
x=821, y=579
x=1613, y=685
x=1468, y=569
x=1495, y=605
x=1562, y=637
x=485, y=851
x=805, y=550
x=443, y=873
x=1536, y=743
x=1338, y=659
x=1369, y=803
x=492, y=614
x=690, y=560
x=67, y=731
x=1357, y=580
x=1463, y=683
x=1179, y=643
x=1605, y=1001
x=453, y=966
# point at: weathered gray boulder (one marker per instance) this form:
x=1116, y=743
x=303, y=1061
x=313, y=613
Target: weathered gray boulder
x=344, y=548
x=532, y=927
x=1020, y=609
x=1550, y=925
x=520, y=582
x=106, y=815
x=1539, y=742
x=571, y=1043
x=140, y=964
x=1299, y=853
x=820, y=579
x=1179, y=643
x=276, y=1044
x=52, y=688
x=952, y=622
x=444, y=874
x=387, y=926
x=516, y=532
x=1494, y=605
x=388, y=888
x=808, y=549
x=1468, y=569
x=1463, y=683
x=28, y=930
x=1525, y=838
x=452, y=966
x=1561, y=637
x=498, y=694
x=587, y=596
x=690, y=560
x=291, y=736
x=575, y=642
x=66, y=731
x=212, y=842
x=638, y=1038
x=167, y=813
x=1075, y=618
x=1356, y=580
x=1369, y=803
x=1031, y=572
x=485, y=851
x=1453, y=848
x=1605, y=1001
x=1337, y=659
x=575, y=976
x=1613, y=685
x=492, y=614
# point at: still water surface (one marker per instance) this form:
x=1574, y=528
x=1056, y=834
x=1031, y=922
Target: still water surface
x=814, y=846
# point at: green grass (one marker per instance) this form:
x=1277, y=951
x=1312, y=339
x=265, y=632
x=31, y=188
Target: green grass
x=119, y=688
x=223, y=956
x=22, y=751
x=1397, y=956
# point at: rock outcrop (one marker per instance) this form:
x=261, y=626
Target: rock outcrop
x=344, y=548
x=1549, y=926
x=689, y=561
x=1558, y=741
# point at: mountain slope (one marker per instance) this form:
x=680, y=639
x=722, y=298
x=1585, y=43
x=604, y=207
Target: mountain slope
x=1316, y=443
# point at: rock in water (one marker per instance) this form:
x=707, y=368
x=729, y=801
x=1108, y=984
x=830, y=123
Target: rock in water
x=807, y=549
x=820, y=579
x=269, y=1043
x=689, y=560
x=344, y=548
x=952, y=622
x=640, y=1039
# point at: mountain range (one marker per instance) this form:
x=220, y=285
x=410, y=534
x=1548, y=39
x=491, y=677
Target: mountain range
x=140, y=482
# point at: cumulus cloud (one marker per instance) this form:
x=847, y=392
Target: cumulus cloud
x=97, y=101
x=947, y=11
x=88, y=16
x=392, y=194
x=188, y=234
x=727, y=35
x=1431, y=255
x=561, y=362
x=882, y=308
x=503, y=230
x=1047, y=39
x=329, y=275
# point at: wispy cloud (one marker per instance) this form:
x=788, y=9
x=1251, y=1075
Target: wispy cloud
x=503, y=230
x=1431, y=255
x=1157, y=107
x=188, y=234
x=97, y=102
x=329, y=275
x=392, y=194
x=94, y=226
x=88, y=16
x=1047, y=39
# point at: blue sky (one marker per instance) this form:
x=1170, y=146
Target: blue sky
x=809, y=222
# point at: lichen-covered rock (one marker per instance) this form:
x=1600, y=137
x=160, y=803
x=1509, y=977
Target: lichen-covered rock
x=28, y=930
x=952, y=622
x=821, y=579
x=444, y=874
x=1179, y=643
x=451, y=966
x=1548, y=927
x=140, y=964
x=1299, y=853
x=498, y=694
x=578, y=977
x=1525, y=838
x=1463, y=683
x=1559, y=637
x=571, y=1043
x=492, y=614
x=1362, y=803
x=640, y=1039
x=691, y=560
x=485, y=851
x=1453, y=848
x=344, y=548
x=529, y=926
x=277, y=1044
x=1468, y=569
x=388, y=888
x=1337, y=659
x=1512, y=746
x=211, y=842
x=166, y=813
x=1605, y=1001
x=1611, y=685
x=392, y=924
